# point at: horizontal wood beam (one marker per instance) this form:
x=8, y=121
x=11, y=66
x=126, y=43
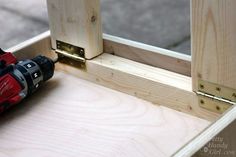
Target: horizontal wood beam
x=150, y=55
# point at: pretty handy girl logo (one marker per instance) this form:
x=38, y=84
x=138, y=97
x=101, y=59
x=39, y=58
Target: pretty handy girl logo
x=218, y=147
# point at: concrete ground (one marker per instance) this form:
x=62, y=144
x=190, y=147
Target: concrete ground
x=162, y=23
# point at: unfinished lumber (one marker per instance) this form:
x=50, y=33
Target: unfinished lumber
x=213, y=42
x=213, y=68
x=78, y=23
x=147, y=54
x=40, y=44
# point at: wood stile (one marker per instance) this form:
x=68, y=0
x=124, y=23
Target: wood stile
x=77, y=23
x=213, y=42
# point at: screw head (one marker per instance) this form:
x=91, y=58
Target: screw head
x=202, y=86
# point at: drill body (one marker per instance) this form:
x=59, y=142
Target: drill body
x=20, y=79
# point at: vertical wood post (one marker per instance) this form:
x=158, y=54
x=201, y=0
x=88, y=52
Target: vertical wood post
x=214, y=42
x=77, y=22
x=214, y=55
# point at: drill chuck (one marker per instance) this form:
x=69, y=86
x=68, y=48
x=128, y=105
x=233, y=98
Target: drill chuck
x=20, y=80
x=33, y=73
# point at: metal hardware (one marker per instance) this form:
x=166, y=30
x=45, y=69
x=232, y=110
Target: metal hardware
x=70, y=54
x=214, y=97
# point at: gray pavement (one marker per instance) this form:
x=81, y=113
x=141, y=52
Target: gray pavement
x=163, y=23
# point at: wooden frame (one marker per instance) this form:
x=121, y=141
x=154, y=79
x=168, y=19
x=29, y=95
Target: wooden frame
x=125, y=66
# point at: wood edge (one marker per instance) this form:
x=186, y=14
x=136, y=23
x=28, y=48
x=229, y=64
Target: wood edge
x=153, y=49
x=147, y=54
x=208, y=134
x=29, y=42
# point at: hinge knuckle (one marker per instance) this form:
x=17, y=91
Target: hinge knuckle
x=70, y=54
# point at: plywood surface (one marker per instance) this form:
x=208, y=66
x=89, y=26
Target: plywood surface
x=73, y=117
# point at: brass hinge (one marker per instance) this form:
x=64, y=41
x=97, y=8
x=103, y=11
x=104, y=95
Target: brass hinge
x=70, y=54
x=214, y=97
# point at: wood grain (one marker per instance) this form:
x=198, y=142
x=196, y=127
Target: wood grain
x=39, y=45
x=147, y=54
x=77, y=22
x=73, y=117
x=213, y=42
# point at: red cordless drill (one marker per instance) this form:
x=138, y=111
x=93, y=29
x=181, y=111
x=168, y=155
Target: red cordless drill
x=19, y=79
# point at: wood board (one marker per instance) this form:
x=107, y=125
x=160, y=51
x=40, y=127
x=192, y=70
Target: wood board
x=77, y=23
x=73, y=117
x=213, y=42
x=147, y=54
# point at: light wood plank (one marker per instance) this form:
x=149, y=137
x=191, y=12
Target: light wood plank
x=73, y=117
x=213, y=60
x=40, y=44
x=78, y=23
x=150, y=55
x=213, y=42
